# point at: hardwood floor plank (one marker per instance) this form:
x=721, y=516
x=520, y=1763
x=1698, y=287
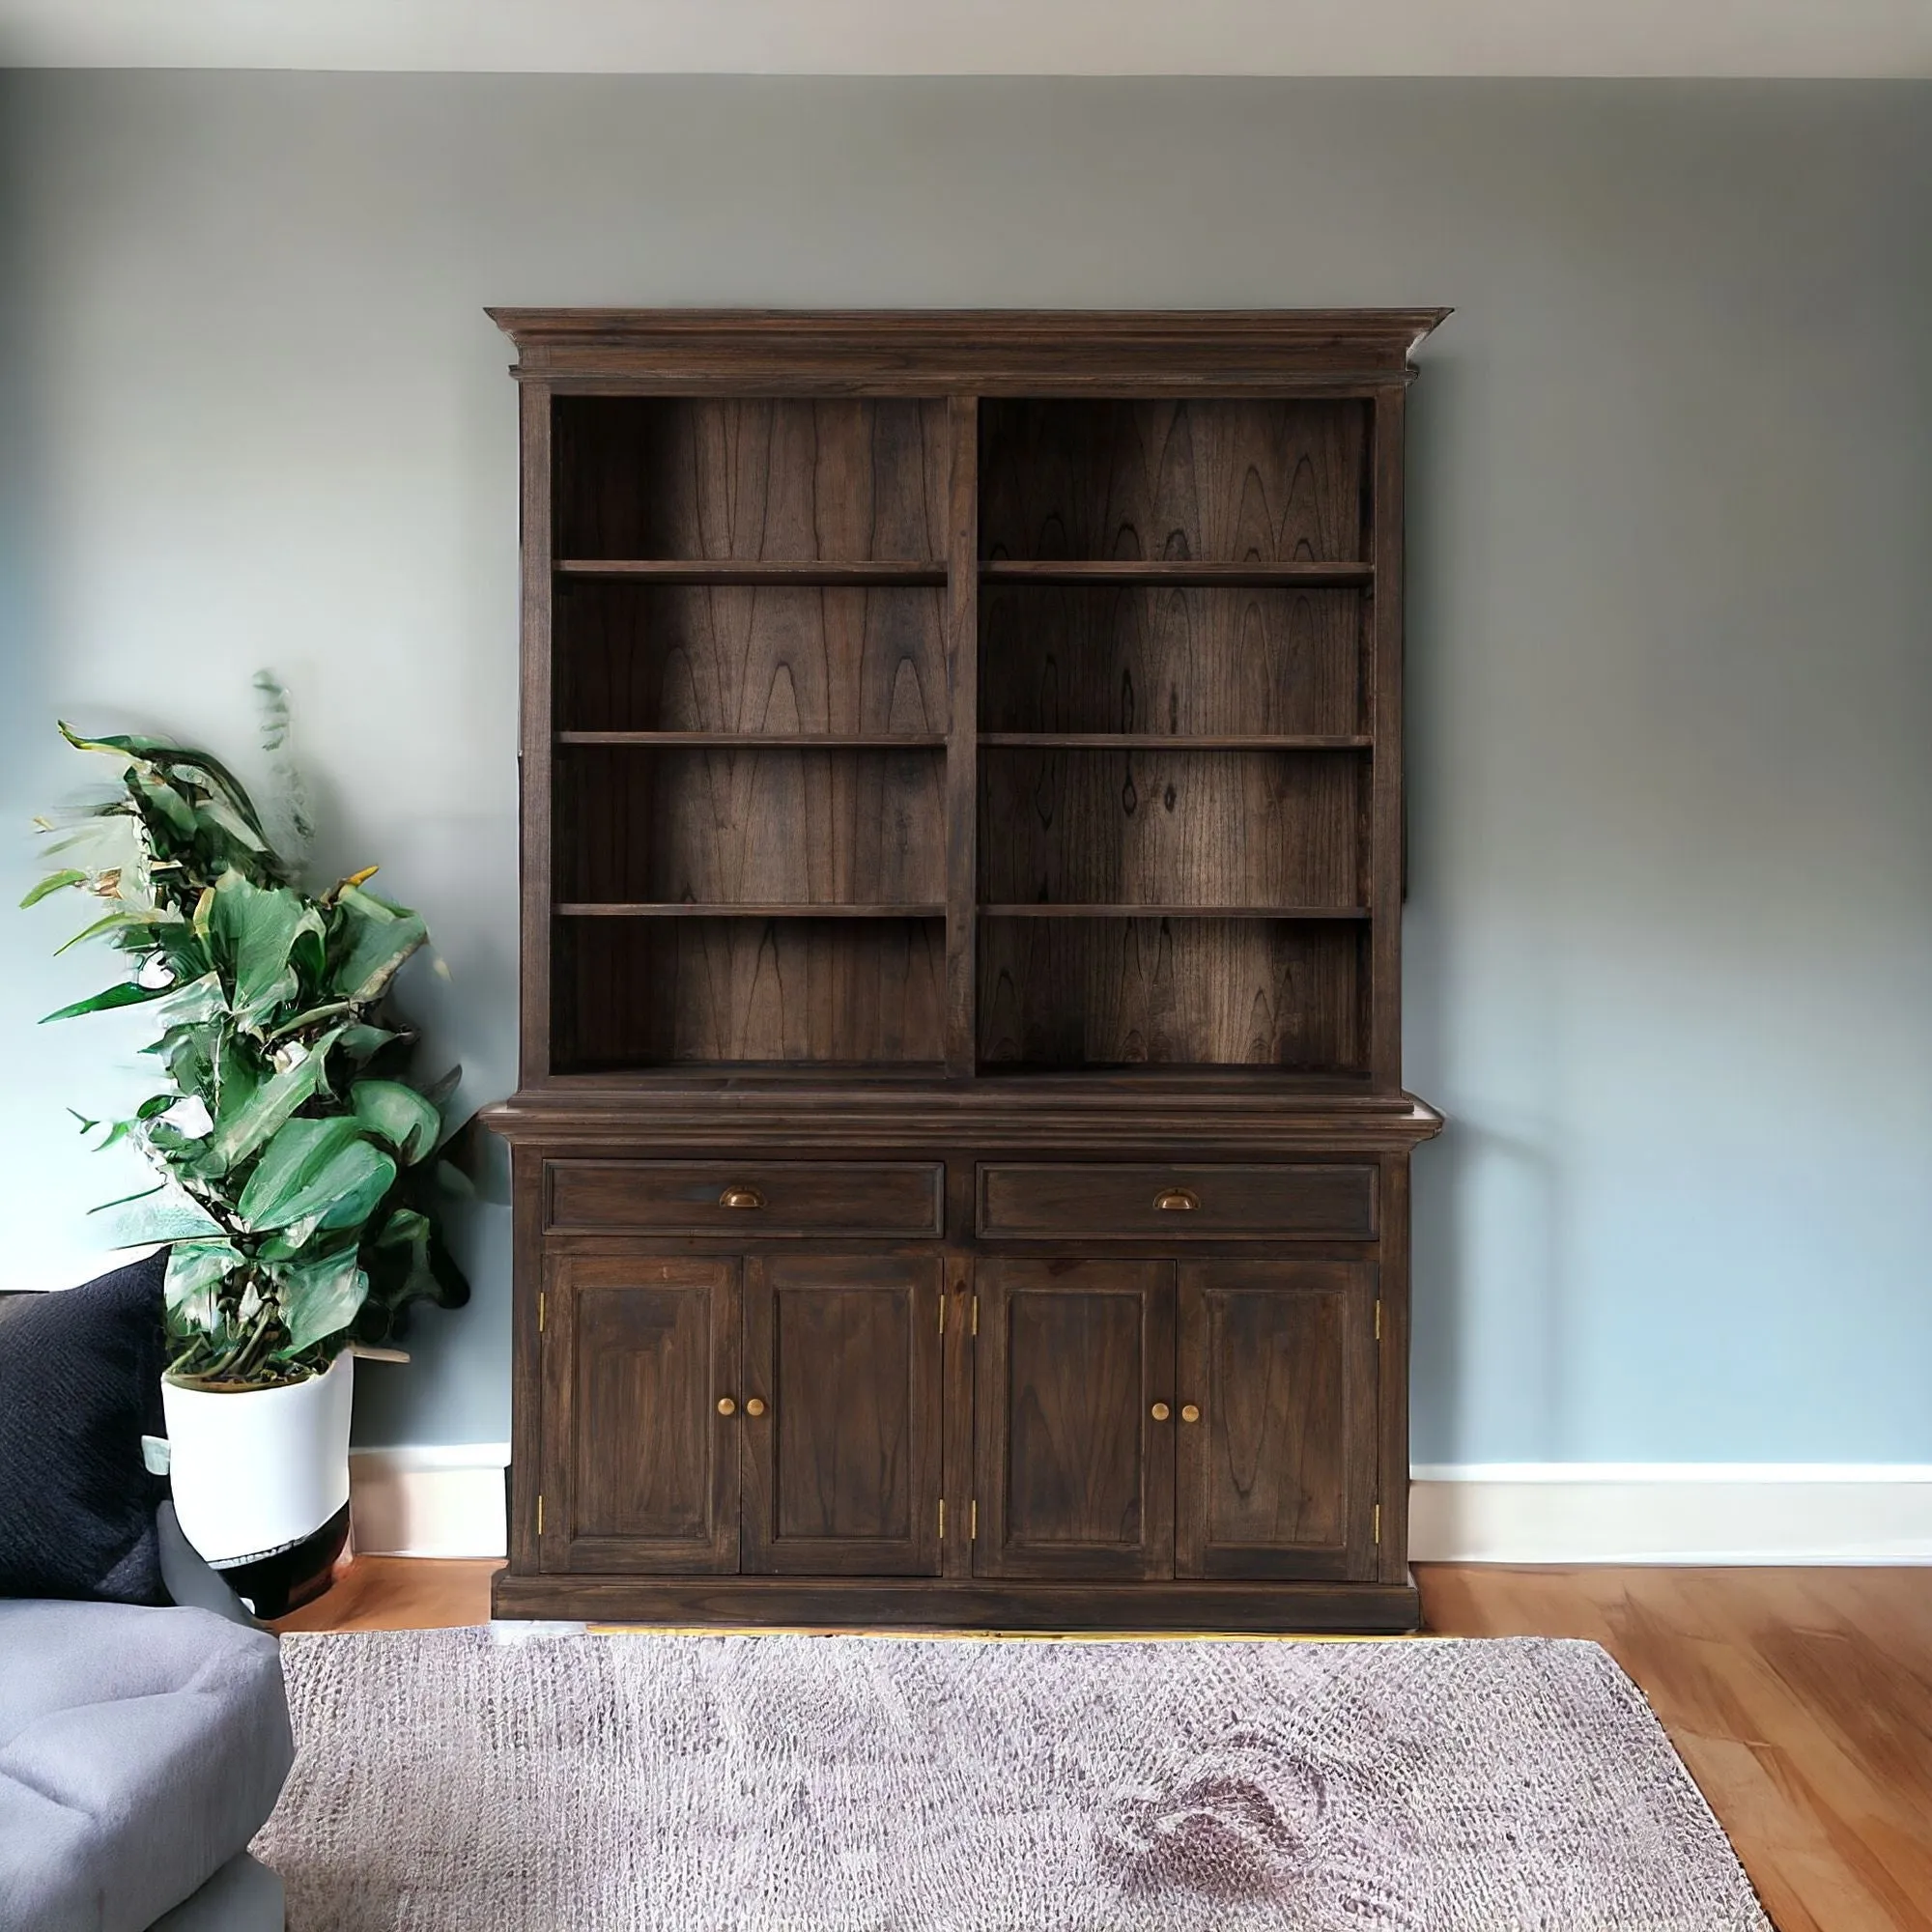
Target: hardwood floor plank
x=400, y=1593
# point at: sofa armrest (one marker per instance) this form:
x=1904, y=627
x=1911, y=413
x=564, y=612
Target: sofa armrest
x=190, y=1582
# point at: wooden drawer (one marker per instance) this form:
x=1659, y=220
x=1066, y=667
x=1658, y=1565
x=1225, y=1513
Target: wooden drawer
x=1336, y=1199
x=749, y=1199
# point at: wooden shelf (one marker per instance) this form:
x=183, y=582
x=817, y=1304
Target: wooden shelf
x=731, y=909
x=756, y=741
x=1060, y=910
x=736, y=570
x=1247, y=576
x=1156, y=741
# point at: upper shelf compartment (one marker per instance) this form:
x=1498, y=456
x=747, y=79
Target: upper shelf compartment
x=778, y=662
x=1189, y=483
x=1173, y=663
x=758, y=481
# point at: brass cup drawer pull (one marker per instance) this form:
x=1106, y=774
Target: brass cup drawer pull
x=1177, y=1201
x=754, y=1406
x=1189, y=1413
x=1160, y=1412
x=726, y=1406
x=741, y=1196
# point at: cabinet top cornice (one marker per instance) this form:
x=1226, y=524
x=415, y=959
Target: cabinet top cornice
x=1227, y=351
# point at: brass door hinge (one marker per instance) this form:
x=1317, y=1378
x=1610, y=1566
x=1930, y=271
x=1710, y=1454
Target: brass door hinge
x=941, y=1518
x=973, y=1521
x=540, y=1516
x=1378, y=1319
x=942, y=1311
x=976, y=1314
x=540, y=1311
x=1378, y=1522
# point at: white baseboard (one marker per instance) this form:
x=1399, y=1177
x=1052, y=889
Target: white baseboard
x=431, y=1500
x=1718, y=1513
x=447, y=1501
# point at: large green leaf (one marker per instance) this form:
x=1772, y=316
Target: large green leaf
x=257, y=931
x=165, y=1214
x=189, y=1051
x=122, y=922
x=164, y=803
x=315, y=1174
x=398, y=1116
x=184, y=950
x=319, y=1299
x=199, y=768
x=239, y=1131
x=362, y=1041
x=217, y=810
x=401, y=1259
x=196, y=1269
x=369, y=939
x=194, y=1002
x=127, y=994
x=53, y=883
x=407, y=1263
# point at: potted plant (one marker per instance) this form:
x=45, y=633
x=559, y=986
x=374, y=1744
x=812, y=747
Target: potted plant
x=298, y=1159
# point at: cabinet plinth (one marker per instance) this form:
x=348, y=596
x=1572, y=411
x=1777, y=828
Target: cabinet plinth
x=961, y=1158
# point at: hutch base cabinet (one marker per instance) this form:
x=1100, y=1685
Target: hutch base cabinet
x=962, y=1161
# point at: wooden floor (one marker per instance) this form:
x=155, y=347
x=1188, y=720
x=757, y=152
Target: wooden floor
x=1801, y=1700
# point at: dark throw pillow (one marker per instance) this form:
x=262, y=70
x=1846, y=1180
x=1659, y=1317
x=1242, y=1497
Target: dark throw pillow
x=81, y=1384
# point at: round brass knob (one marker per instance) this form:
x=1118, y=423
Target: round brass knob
x=1160, y=1412
x=741, y=1197
x=1177, y=1201
x=754, y=1406
x=725, y=1405
x=1189, y=1413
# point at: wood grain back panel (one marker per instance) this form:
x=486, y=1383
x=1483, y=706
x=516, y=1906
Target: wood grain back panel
x=765, y=658
x=662, y=992
x=1276, y=1477
x=1075, y=1476
x=842, y=1469
x=1170, y=661
x=1194, y=481
x=1158, y=827
x=1171, y=992
x=755, y=477
x=763, y=825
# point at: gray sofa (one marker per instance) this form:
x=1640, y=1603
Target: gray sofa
x=141, y=1751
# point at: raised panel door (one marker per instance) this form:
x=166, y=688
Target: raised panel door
x=640, y=1469
x=841, y=1426
x=1275, y=1387
x=1074, y=1475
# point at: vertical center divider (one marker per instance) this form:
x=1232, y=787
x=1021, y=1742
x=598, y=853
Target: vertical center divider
x=962, y=740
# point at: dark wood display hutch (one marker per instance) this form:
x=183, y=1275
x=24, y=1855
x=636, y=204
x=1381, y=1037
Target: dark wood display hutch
x=961, y=1159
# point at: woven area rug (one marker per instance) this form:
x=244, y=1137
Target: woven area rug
x=449, y=1780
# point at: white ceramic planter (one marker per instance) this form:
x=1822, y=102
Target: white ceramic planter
x=257, y=1470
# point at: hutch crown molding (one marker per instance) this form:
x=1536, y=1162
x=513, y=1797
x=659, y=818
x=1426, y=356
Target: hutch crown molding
x=961, y=1158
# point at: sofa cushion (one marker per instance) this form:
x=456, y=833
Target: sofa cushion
x=81, y=1384
x=139, y=1750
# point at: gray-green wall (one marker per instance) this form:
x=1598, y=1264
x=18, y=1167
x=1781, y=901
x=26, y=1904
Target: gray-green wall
x=1670, y=588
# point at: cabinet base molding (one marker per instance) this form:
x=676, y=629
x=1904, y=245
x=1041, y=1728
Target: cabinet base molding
x=932, y=1603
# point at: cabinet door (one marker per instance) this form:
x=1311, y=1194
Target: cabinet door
x=841, y=1466
x=641, y=1471
x=1276, y=1478
x=1074, y=1477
